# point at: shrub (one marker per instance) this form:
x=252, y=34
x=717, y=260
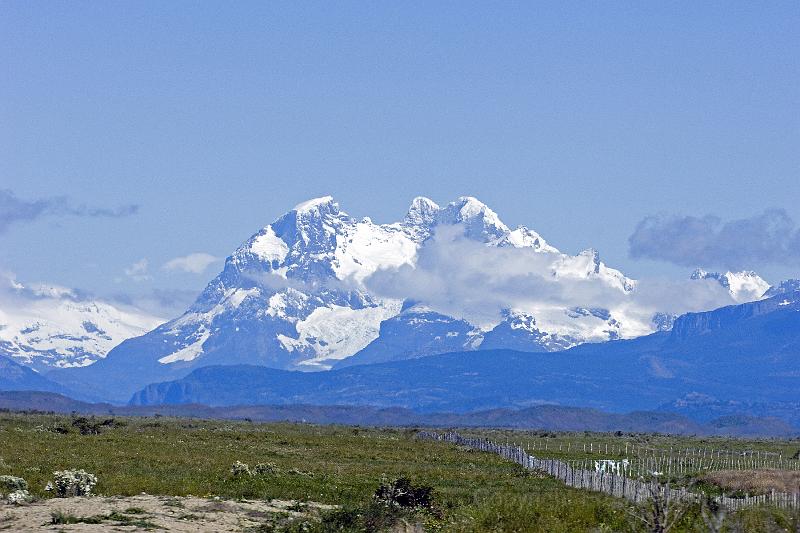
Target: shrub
x=402, y=493
x=371, y=517
x=261, y=469
x=18, y=497
x=91, y=426
x=72, y=483
x=240, y=469
x=12, y=483
x=265, y=469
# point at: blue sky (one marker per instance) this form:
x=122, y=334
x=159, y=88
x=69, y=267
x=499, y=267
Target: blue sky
x=207, y=120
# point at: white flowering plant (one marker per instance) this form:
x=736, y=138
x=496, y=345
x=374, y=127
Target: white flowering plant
x=18, y=497
x=12, y=483
x=72, y=483
x=261, y=469
x=16, y=489
x=241, y=469
x=265, y=469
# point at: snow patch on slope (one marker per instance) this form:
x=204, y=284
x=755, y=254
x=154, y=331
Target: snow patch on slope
x=268, y=246
x=337, y=332
x=368, y=247
x=190, y=352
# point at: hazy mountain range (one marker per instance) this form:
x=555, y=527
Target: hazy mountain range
x=738, y=359
x=521, y=323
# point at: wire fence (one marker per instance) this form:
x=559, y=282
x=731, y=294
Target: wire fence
x=619, y=485
x=671, y=460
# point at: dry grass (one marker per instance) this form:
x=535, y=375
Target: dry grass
x=756, y=481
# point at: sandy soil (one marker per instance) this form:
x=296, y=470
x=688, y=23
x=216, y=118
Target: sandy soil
x=139, y=513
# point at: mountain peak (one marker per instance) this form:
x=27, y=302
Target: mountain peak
x=594, y=256
x=744, y=286
x=471, y=207
x=323, y=203
x=423, y=211
x=479, y=221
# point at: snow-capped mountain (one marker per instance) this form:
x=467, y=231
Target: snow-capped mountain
x=46, y=327
x=744, y=286
x=293, y=295
x=298, y=295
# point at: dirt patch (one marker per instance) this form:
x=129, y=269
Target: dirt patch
x=145, y=512
x=756, y=481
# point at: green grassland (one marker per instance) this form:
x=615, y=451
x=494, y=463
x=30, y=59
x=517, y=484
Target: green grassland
x=682, y=461
x=557, y=444
x=338, y=465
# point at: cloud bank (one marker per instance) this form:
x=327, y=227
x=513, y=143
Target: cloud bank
x=16, y=210
x=466, y=279
x=770, y=238
x=16, y=297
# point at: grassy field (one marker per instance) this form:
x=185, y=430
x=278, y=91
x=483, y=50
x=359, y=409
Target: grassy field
x=681, y=460
x=335, y=465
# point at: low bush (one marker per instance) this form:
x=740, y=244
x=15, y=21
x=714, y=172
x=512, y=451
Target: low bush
x=402, y=493
x=91, y=426
x=240, y=469
x=72, y=483
x=14, y=490
x=12, y=483
x=261, y=469
x=19, y=497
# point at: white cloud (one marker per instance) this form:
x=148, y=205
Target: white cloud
x=139, y=270
x=470, y=280
x=195, y=263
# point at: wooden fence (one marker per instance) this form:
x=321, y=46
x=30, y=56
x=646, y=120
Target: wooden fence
x=674, y=460
x=621, y=486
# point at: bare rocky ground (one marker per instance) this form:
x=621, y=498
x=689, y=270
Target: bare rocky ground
x=145, y=512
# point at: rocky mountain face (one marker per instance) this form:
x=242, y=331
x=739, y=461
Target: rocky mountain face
x=16, y=377
x=693, y=324
x=785, y=287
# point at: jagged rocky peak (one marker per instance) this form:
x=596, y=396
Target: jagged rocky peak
x=744, y=286
x=588, y=265
x=312, y=223
x=422, y=212
x=663, y=321
x=699, y=273
x=523, y=237
x=594, y=259
x=786, y=287
x=317, y=205
x=479, y=221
